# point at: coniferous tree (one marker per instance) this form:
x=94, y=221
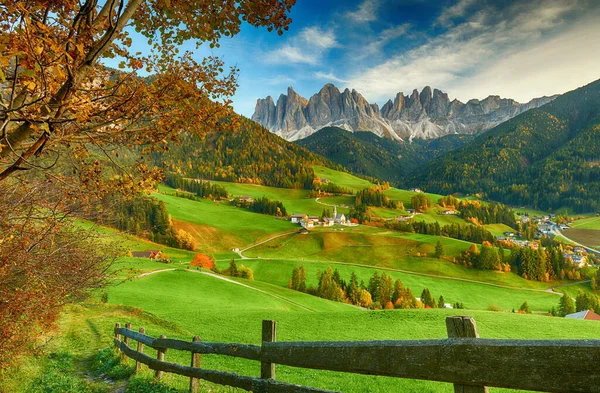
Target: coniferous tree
x=566, y=305
x=439, y=249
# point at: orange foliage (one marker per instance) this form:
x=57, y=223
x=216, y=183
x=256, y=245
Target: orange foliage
x=203, y=261
x=389, y=305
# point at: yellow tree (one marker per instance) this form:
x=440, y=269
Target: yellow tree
x=65, y=116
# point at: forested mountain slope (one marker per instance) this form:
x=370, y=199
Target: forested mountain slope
x=249, y=154
x=547, y=157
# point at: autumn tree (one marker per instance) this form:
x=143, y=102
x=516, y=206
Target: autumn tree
x=65, y=118
x=203, y=261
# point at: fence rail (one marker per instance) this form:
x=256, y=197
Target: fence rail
x=469, y=362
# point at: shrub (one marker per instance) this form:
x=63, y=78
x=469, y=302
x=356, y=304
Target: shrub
x=494, y=307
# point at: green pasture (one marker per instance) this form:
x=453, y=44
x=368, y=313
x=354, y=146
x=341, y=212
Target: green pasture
x=220, y=226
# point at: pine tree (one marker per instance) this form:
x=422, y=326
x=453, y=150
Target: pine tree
x=441, y=302
x=566, y=306
x=427, y=298
x=233, y=269
x=439, y=249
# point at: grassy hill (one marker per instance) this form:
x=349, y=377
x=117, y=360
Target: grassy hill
x=181, y=304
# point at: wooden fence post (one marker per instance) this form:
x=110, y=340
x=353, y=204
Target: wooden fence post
x=117, y=335
x=125, y=338
x=269, y=328
x=195, y=382
x=464, y=327
x=140, y=349
x=160, y=355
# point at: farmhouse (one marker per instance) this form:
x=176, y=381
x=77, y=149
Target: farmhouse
x=151, y=254
x=328, y=222
x=449, y=211
x=296, y=218
x=245, y=198
x=577, y=260
x=416, y=190
x=588, y=315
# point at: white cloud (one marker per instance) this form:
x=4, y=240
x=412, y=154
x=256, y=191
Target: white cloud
x=290, y=54
x=329, y=76
x=456, y=11
x=367, y=12
x=529, y=52
x=385, y=37
x=308, y=47
x=318, y=37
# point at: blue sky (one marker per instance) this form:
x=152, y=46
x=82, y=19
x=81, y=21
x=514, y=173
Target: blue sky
x=468, y=48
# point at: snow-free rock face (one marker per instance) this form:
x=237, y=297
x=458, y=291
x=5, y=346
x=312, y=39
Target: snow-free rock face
x=428, y=114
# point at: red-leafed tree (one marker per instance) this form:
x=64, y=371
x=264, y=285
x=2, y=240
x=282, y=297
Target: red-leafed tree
x=203, y=261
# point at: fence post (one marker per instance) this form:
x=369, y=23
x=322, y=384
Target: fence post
x=140, y=349
x=125, y=338
x=160, y=355
x=195, y=382
x=464, y=327
x=267, y=370
x=117, y=335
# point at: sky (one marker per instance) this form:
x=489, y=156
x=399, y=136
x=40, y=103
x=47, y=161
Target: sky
x=518, y=49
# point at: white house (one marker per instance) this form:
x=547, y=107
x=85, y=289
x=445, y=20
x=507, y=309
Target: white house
x=328, y=222
x=296, y=218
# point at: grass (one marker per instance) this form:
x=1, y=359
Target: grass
x=182, y=304
x=219, y=226
x=587, y=223
x=295, y=201
x=391, y=250
x=473, y=295
x=342, y=179
x=498, y=229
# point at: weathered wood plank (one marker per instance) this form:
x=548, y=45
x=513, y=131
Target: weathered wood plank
x=251, y=352
x=464, y=327
x=140, y=349
x=269, y=334
x=195, y=363
x=139, y=337
x=160, y=357
x=218, y=377
x=539, y=365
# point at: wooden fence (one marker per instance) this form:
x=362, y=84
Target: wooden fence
x=469, y=362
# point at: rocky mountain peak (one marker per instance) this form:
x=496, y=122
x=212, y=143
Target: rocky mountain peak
x=428, y=114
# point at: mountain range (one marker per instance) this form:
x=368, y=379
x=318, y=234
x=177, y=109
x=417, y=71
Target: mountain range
x=425, y=115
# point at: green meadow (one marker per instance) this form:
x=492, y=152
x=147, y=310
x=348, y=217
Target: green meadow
x=180, y=302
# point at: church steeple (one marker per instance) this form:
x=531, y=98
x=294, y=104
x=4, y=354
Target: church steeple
x=334, y=211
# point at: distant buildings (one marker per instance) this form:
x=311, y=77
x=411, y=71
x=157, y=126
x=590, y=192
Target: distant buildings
x=588, y=315
x=150, y=254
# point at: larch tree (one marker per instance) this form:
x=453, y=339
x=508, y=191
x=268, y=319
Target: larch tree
x=65, y=117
